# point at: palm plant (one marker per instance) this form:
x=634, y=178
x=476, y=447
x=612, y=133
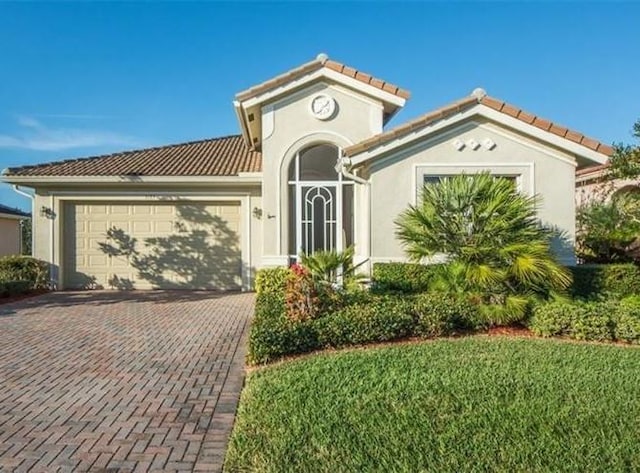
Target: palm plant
x=331, y=267
x=496, y=248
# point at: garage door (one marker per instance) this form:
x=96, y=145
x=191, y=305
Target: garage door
x=138, y=245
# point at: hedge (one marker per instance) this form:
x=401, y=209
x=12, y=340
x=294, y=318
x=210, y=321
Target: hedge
x=272, y=281
x=25, y=268
x=407, y=278
x=607, y=280
x=380, y=320
x=600, y=321
x=365, y=318
x=14, y=288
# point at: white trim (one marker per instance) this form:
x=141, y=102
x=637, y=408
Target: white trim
x=245, y=247
x=244, y=127
x=461, y=128
x=529, y=167
x=14, y=217
x=528, y=144
x=268, y=122
x=253, y=178
x=324, y=72
x=491, y=114
x=308, y=139
x=148, y=195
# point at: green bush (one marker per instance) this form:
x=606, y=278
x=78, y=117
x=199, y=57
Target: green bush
x=554, y=318
x=607, y=280
x=14, y=288
x=272, y=281
x=599, y=321
x=594, y=322
x=380, y=320
x=273, y=335
x=25, y=268
x=402, y=277
x=440, y=314
x=627, y=321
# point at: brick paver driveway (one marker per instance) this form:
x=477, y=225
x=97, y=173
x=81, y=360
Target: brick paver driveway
x=112, y=381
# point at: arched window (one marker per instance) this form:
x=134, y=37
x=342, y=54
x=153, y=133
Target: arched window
x=320, y=202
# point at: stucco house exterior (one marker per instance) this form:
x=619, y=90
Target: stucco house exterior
x=314, y=167
x=593, y=183
x=11, y=230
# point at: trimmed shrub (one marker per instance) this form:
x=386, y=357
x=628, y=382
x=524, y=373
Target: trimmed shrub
x=272, y=281
x=554, y=318
x=594, y=322
x=440, y=314
x=627, y=321
x=14, y=288
x=273, y=335
x=25, y=268
x=606, y=280
x=407, y=278
x=301, y=295
x=380, y=320
x=579, y=320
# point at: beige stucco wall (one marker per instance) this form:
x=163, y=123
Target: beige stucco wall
x=288, y=127
x=396, y=179
x=49, y=232
x=9, y=236
x=596, y=189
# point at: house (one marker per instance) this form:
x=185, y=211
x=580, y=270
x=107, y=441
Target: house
x=593, y=183
x=11, y=230
x=314, y=167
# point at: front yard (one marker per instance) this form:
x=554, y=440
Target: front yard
x=470, y=404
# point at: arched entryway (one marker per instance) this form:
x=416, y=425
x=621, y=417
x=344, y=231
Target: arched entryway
x=320, y=202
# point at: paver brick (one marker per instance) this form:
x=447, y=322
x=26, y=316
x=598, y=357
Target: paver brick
x=108, y=381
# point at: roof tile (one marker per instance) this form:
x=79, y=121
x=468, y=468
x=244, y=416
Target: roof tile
x=461, y=105
x=226, y=156
x=315, y=65
x=542, y=123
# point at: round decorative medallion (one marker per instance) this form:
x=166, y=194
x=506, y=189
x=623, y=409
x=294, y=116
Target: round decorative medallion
x=323, y=106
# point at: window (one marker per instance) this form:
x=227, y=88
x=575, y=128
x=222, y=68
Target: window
x=430, y=179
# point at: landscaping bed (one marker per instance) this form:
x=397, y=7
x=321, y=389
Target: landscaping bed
x=469, y=404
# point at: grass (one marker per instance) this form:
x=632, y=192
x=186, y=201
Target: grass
x=473, y=404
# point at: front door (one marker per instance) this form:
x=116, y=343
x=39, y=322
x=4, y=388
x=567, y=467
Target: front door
x=321, y=209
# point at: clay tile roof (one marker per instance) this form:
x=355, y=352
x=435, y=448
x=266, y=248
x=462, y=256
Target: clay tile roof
x=547, y=125
x=592, y=169
x=479, y=97
x=226, y=156
x=11, y=211
x=322, y=61
x=410, y=126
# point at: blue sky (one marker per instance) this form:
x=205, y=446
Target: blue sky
x=80, y=79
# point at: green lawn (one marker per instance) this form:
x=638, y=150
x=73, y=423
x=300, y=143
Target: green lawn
x=470, y=404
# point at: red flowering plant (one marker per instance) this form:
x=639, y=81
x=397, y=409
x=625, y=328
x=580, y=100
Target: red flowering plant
x=301, y=297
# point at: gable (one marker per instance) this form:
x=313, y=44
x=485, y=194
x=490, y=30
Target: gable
x=249, y=104
x=585, y=151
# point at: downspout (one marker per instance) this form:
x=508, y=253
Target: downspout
x=342, y=167
x=31, y=197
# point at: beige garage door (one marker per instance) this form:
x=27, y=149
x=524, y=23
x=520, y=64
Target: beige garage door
x=138, y=245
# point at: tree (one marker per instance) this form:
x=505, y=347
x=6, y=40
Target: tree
x=608, y=230
x=608, y=226
x=495, y=246
x=625, y=162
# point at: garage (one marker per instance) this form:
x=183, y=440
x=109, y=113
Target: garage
x=152, y=245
